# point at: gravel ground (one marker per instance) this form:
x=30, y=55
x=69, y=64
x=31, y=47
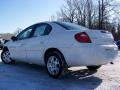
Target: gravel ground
x=22, y=76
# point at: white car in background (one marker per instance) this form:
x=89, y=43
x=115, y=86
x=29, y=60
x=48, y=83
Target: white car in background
x=59, y=45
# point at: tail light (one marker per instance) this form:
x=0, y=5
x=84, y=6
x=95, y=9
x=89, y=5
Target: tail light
x=83, y=37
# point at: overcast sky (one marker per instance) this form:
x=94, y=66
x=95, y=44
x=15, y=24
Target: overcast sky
x=22, y=13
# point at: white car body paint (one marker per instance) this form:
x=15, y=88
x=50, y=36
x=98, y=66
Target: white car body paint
x=101, y=51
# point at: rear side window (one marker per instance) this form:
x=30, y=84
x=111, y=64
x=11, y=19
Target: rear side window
x=71, y=26
x=41, y=30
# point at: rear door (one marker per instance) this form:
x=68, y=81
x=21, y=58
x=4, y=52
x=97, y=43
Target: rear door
x=36, y=44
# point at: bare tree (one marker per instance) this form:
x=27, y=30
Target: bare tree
x=67, y=12
x=52, y=18
x=87, y=13
x=90, y=12
x=104, y=12
x=18, y=30
x=80, y=13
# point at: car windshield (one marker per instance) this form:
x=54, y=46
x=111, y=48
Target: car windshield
x=71, y=26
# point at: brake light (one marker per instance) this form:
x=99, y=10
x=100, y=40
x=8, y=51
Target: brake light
x=83, y=37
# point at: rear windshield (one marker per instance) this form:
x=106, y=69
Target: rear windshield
x=71, y=26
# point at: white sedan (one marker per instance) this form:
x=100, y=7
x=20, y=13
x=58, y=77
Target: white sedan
x=59, y=45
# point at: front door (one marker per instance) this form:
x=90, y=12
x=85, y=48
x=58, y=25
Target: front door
x=18, y=47
x=36, y=44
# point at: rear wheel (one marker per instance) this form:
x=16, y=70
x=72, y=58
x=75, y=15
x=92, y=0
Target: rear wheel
x=55, y=64
x=93, y=67
x=5, y=56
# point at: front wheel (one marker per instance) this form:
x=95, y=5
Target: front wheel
x=55, y=64
x=93, y=67
x=5, y=56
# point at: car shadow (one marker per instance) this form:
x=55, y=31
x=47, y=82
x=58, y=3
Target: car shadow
x=80, y=74
x=33, y=77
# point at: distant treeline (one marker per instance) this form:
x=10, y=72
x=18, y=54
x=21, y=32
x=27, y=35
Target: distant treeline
x=94, y=14
x=6, y=36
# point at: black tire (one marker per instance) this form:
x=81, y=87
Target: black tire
x=4, y=60
x=58, y=57
x=92, y=68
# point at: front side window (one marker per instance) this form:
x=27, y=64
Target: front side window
x=42, y=30
x=25, y=34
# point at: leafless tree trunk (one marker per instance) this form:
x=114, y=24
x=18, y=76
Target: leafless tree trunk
x=89, y=12
x=67, y=13
x=80, y=12
x=52, y=18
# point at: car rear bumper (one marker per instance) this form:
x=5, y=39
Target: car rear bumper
x=91, y=55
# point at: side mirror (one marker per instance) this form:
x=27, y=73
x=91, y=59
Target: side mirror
x=13, y=38
x=5, y=41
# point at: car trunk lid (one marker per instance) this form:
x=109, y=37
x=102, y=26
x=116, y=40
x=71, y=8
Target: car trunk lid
x=100, y=37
